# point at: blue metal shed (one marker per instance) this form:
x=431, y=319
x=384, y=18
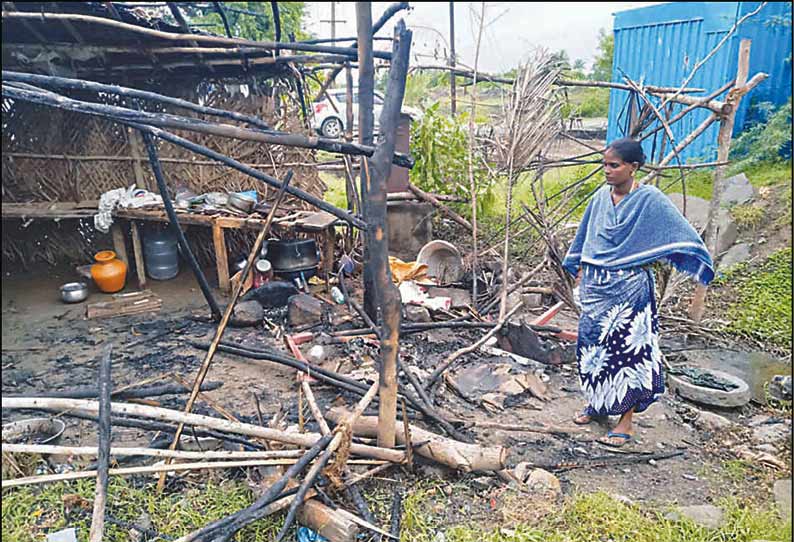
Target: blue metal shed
x=661, y=44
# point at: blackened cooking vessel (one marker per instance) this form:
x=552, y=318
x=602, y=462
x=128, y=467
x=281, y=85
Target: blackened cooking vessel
x=293, y=257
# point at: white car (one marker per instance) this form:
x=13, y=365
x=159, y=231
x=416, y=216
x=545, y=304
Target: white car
x=329, y=121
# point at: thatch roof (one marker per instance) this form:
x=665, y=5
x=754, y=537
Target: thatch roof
x=110, y=41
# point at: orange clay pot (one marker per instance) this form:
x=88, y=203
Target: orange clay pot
x=109, y=273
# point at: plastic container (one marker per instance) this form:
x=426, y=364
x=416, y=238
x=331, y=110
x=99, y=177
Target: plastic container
x=109, y=273
x=337, y=295
x=160, y=253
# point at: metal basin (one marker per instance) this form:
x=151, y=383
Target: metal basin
x=74, y=292
x=34, y=431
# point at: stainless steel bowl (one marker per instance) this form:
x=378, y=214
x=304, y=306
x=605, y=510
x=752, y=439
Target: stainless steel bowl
x=74, y=292
x=241, y=202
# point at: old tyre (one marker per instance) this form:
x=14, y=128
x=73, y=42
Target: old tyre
x=709, y=396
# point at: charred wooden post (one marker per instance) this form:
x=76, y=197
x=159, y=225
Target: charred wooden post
x=366, y=100
x=375, y=174
x=151, y=149
x=103, y=453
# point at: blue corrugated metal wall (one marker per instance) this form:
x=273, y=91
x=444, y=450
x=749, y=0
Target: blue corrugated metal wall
x=660, y=45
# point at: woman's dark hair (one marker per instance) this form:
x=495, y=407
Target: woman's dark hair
x=629, y=150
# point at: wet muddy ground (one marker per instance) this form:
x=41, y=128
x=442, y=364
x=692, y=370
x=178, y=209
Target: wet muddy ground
x=48, y=345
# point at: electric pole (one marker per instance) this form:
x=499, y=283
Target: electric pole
x=452, y=97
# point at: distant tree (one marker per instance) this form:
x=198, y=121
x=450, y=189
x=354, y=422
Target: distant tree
x=250, y=20
x=578, y=69
x=561, y=58
x=602, y=67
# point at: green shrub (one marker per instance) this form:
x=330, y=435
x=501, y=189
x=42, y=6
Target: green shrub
x=766, y=141
x=763, y=303
x=440, y=146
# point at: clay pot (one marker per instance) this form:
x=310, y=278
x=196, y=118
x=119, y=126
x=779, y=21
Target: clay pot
x=109, y=273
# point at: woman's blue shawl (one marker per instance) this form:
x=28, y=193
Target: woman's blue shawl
x=643, y=227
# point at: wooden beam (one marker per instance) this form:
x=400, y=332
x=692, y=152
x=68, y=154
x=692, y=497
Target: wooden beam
x=140, y=268
x=119, y=242
x=221, y=257
x=198, y=38
x=698, y=304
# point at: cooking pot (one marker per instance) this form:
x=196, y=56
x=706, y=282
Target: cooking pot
x=293, y=258
x=74, y=292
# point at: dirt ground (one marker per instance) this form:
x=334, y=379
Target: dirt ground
x=49, y=345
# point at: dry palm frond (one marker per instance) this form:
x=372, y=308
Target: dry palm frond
x=531, y=121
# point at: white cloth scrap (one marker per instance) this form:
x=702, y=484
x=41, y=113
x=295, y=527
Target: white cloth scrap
x=126, y=198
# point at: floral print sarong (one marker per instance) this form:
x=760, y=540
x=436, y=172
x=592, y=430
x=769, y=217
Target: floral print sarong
x=620, y=364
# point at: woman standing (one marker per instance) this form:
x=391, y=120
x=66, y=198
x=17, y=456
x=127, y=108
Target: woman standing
x=626, y=227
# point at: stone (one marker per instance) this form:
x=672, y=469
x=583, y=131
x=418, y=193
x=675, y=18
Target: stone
x=304, y=309
x=544, y=482
x=782, y=492
x=736, y=190
x=780, y=387
x=415, y=313
x=736, y=397
x=316, y=354
x=532, y=301
x=460, y=298
x=708, y=421
x=727, y=231
x=247, y=313
x=770, y=433
x=766, y=448
x=735, y=255
x=697, y=212
x=705, y=515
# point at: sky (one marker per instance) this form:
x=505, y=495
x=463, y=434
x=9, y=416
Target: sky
x=513, y=29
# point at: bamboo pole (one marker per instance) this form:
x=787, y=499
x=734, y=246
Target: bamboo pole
x=85, y=406
x=198, y=38
x=724, y=136
x=151, y=149
x=228, y=313
x=166, y=120
x=50, y=449
x=103, y=450
x=176, y=467
x=376, y=173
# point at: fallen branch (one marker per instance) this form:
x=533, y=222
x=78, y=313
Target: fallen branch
x=176, y=416
x=458, y=455
x=89, y=392
x=51, y=449
x=432, y=200
x=16, y=482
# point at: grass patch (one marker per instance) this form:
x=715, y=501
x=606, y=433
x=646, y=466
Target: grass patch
x=763, y=302
x=747, y=216
x=701, y=181
x=337, y=191
x=29, y=513
x=598, y=516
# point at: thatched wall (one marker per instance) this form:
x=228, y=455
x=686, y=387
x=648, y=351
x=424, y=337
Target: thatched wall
x=54, y=155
